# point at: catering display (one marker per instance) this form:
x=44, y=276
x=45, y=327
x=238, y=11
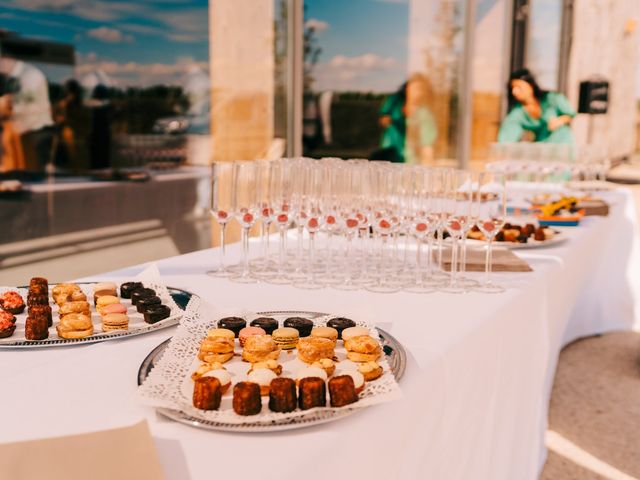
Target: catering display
x=516, y=236
x=248, y=380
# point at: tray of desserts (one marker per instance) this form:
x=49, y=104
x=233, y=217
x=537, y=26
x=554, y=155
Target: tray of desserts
x=520, y=236
x=43, y=315
x=271, y=371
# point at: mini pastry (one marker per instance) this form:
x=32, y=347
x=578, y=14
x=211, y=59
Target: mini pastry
x=223, y=377
x=67, y=292
x=325, y=364
x=235, y=324
x=217, y=346
x=115, y=321
x=157, y=313
x=128, y=287
x=362, y=348
x=246, y=332
x=7, y=317
x=206, y=367
x=310, y=372
x=106, y=286
x=246, y=398
x=262, y=377
x=272, y=365
x=146, y=303
x=358, y=379
x=207, y=393
x=266, y=323
x=311, y=349
x=259, y=348
x=139, y=293
x=303, y=325
x=351, y=332
x=74, y=307
x=340, y=324
x=325, y=332
x=12, y=302
x=37, y=299
x=75, y=325
x=114, y=308
x=104, y=301
x=282, y=395
x=342, y=391
x=7, y=327
x=36, y=327
x=36, y=310
x=312, y=393
x=370, y=370
x=286, y=338
x=39, y=286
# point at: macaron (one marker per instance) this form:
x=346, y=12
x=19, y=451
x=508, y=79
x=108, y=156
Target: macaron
x=221, y=332
x=235, y=324
x=104, y=286
x=286, y=338
x=303, y=325
x=266, y=323
x=114, y=308
x=115, y=321
x=351, y=332
x=104, y=301
x=246, y=332
x=340, y=323
x=325, y=332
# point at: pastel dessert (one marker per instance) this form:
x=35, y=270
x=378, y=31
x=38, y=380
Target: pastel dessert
x=246, y=332
x=340, y=324
x=75, y=325
x=115, y=321
x=12, y=302
x=282, y=395
x=286, y=338
x=207, y=393
x=266, y=323
x=157, y=313
x=303, y=325
x=247, y=398
x=262, y=377
x=311, y=349
x=148, y=302
x=259, y=348
x=111, y=286
x=104, y=301
x=329, y=333
x=128, y=287
x=114, y=308
x=342, y=391
x=223, y=377
x=312, y=393
x=235, y=324
x=351, y=332
x=362, y=348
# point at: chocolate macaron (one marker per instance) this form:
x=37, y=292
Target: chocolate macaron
x=340, y=323
x=235, y=324
x=303, y=325
x=266, y=323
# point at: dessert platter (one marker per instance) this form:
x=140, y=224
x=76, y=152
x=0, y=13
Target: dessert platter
x=43, y=315
x=270, y=371
x=520, y=236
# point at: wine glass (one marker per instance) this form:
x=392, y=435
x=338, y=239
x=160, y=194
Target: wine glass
x=246, y=210
x=348, y=186
x=221, y=208
x=280, y=188
x=491, y=214
x=263, y=169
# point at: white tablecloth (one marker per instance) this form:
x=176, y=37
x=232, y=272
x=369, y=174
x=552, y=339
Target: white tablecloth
x=480, y=369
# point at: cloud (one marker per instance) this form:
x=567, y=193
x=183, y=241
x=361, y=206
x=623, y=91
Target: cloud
x=317, y=25
x=109, y=35
x=368, y=61
x=87, y=9
x=369, y=71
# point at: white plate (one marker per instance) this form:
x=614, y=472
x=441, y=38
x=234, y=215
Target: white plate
x=558, y=238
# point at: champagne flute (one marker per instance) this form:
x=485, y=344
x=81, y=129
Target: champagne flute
x=263, y=168
x=221, y=208
x=311, y=206
x=347, y=184
x=280, y=188
x=246, y=211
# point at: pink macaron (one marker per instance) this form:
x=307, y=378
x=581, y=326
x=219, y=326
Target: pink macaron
x=114, y=308
x=246, y=332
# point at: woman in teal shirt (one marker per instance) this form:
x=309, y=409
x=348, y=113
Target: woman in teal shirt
x=547, y=115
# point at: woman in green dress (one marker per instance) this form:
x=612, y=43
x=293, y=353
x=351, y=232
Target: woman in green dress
x=546, y=114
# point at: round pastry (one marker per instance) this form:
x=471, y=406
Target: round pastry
x=286, y=338
x=36, y=327
x=246, y=398
x=325, y=332
x=37, y=299
x=74, y=307
x=75, y=325
x=370, y=370
x=266, y=323
x=7, y=317
x=12, y=302
x=67, y=292
x=222, y=333
x=223, y=377
x=282, y=395
x=313, y=393
x=207, y=393
x=262, y=377
x=272, y=365
x=115, y=321
x=114, y=308
x=139, y=293
x=147, y=302
x=303, y=325
x=104, y=301
x=216, y=347
x=259, y=348
x=37, y=310
x=340, y=323
x=128, y=287
x=235, y=324
x=7, y=327
x=310, y=372
x=358, y=379
x=362, y=348
x=311, y=349
x=325, y=364
x=39, y=286
x=157, y=313
x=105, y=286
x=351, y=332
x=206, y=367
x=342, y=391
x=246, y=332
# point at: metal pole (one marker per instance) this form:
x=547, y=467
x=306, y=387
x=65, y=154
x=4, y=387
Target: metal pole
x=465, y=92
x=295, y=70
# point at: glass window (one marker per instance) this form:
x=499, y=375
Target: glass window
x=543, y=42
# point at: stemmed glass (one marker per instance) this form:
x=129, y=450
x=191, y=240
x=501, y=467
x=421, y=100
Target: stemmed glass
x=297, y=196
x=280, y=187
x=491, y=213
x=311, y=208
x=348, y=186
x=263, y=172
x=221, y=208
x=245, y=208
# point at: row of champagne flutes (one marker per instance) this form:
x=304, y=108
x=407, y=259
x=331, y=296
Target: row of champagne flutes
x=358, y=225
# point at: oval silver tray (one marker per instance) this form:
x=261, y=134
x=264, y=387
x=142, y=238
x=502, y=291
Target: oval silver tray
x=394, y=353
x=181, y=297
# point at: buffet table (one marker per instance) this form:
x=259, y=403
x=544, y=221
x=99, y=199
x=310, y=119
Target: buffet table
x=475, y=393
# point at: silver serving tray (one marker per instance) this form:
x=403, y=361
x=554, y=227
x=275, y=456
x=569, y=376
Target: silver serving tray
x=181, y=297
x=393, y=350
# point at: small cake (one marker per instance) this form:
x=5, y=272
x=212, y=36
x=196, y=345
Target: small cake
x=147, y=302
x=272, y=365
x=286, y=338
x=262, y=377
x=7, y=327
x=310, y=372
x=36, y=327
x=351, y=332
x=325, y=364
x=128, y=287
x=12, y=302
x=358, y=379
x=259, y=348
x=7, y=316
x=206, y=367
x=67, y=292
x=246, y=332
x=115, y=321
x=37, y=299
x=312, y=393
x=370, y=370
x=217, y=346
x=266, y=323
x=39, y=286
x=111, y=286
x=340, y=324
x=75, y=325
x=282, y=395
x=114, y=308
x=139, y=293
x=157, y=313
x=311, y=349
x=104, y=301
x=235, y=324
x=342, y=391
x=74, y=307
x=246, y=398
x=329, y=333
x=302, y=325
x=207, y=393
x=362, y=348
x=223, y=377
x=36, y=310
